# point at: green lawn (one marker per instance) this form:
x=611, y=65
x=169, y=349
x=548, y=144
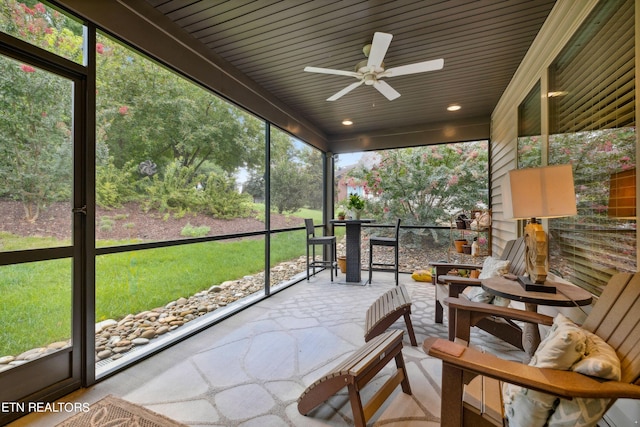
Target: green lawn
x=36, y=297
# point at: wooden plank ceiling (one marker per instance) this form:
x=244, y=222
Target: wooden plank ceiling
x=271, y=41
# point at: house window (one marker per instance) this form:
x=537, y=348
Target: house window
x=530, y=130
x=592, y=127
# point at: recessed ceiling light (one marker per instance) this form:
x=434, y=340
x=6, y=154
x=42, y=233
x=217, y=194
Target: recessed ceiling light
x=453, y=107
x=347, y=122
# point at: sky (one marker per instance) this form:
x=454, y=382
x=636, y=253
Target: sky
x=348, y=159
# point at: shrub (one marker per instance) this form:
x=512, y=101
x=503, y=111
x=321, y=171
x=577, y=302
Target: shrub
x=106, y=223
x=174, y=191
x=114, y=186
x=222, y=199
x=191, y=231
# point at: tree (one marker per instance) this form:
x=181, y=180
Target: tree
x=424, y=185
x=595, y=156
x=287, y=181
x=163, y=116
x=35, y=123
x=35, y=136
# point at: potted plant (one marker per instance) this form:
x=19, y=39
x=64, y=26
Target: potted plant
x=355, y=204
x=340, y=214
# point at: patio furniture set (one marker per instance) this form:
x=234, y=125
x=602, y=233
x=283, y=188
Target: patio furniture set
x=574, y=375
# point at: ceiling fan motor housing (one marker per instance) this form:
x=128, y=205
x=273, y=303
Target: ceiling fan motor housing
x=369, y=79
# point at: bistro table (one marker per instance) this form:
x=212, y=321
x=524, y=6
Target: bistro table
x=354, y=264
x=567, y=295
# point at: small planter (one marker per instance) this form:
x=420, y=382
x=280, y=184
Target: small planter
x=342, y=264
x=459, y=243
x=466, y=249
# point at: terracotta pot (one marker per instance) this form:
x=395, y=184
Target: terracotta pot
x=459, y=244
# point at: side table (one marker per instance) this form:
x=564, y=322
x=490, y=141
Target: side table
x=567, y=295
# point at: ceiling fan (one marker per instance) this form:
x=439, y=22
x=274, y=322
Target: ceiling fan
x=370, y=71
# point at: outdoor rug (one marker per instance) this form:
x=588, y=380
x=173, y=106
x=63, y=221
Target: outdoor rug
x=112, y=411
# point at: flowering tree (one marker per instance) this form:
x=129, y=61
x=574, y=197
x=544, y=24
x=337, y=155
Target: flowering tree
x=425, y=185
x=35, y=136
x=159, y=118
x=164, y=117
x=35, y=123
x=595, y=156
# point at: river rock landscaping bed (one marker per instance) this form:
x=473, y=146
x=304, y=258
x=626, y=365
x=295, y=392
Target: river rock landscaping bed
x=114, y=338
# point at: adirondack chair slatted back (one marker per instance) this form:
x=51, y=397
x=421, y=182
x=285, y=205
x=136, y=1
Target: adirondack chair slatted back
x=615, y=319
x=514, y=251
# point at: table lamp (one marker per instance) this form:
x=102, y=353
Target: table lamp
x=532, y=193
x=622, y=195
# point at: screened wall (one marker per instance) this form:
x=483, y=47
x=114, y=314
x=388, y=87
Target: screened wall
x=138, y=206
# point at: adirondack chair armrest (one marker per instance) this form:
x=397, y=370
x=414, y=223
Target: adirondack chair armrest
x=446, y=266
x=460, y=281
x=478, y=309
x=565, y=384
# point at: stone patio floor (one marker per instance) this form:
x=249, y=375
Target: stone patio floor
x=250, y=369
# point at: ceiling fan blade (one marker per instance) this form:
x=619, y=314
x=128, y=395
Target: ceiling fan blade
x=420, y=67
x=379, y=46
x=332, y=71
x=345, y=91
x=389, y=92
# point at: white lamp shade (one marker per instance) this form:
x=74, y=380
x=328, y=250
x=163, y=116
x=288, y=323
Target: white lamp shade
x=544, y=192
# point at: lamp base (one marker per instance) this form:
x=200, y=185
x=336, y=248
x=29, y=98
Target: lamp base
x=530, y=286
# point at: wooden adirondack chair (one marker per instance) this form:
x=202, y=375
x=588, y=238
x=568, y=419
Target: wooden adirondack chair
x=614, y=318
x=452, y=286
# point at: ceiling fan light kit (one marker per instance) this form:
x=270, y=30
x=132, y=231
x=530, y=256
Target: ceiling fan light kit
x=372, y=70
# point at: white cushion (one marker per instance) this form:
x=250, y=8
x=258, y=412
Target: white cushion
x=477, y=294
x=492, y=267
x=578, y=412
x=600, y=360
x=526, y=408
x=564, y=344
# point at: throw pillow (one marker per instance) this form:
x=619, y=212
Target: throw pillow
x=563, y=346
x=578, y=412
x=421, y=276
x=477, y=294
x=560, y=349
x=599, y=361
x=492, y=267
x=526, y=408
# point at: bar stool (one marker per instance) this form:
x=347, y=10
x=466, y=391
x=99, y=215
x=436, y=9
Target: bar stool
x=324, y=241
x=384, y=241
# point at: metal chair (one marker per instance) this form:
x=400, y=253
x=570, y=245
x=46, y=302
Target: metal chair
x=384, y=241
x=324, y=241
